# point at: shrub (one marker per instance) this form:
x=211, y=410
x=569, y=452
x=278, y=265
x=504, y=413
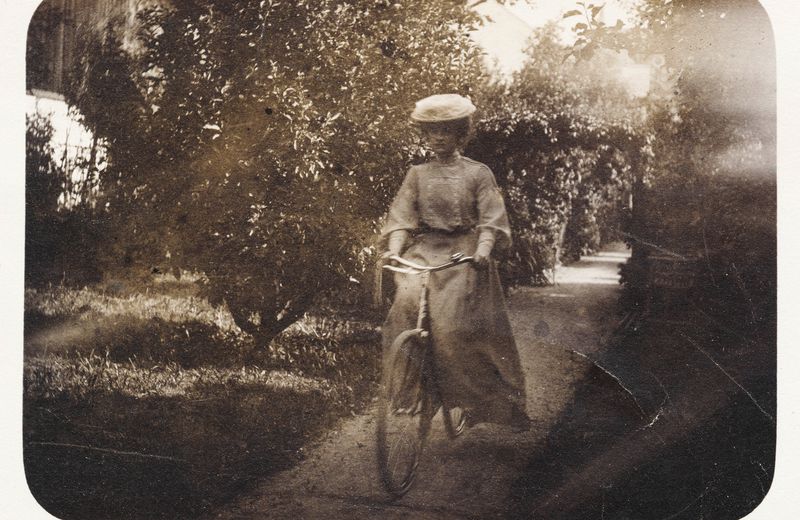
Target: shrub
x=559, y=146
x=60, y=242
x=260, y=144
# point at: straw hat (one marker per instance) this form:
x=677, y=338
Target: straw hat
x=442, y=107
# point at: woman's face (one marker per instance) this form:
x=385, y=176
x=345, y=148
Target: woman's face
x=441, y=139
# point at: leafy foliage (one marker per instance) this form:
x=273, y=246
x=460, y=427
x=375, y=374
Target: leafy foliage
x=43, y=180
x=707, y=160
x=260, y=145
x=560, y=153
x=56, y=240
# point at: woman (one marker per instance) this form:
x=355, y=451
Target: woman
x=451, y=205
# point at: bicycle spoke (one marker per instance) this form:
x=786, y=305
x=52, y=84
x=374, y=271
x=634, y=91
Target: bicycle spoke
x=403, y=445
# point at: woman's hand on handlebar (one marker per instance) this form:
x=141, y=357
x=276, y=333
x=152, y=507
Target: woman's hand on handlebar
x=386, y=257
x=480, y=260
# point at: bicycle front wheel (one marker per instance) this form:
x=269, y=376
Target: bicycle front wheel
x=403, y=423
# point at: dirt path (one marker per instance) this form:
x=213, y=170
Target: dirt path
x=475, y=475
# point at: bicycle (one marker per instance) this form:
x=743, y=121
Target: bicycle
x=404, y=422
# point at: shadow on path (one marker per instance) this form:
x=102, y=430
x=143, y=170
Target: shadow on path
x=675, y=420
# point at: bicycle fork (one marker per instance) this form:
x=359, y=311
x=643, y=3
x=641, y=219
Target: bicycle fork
x=422, y=316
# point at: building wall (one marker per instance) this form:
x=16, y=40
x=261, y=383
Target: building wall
x=53, y=38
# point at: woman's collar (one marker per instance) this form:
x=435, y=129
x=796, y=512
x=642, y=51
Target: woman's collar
x=449, y=160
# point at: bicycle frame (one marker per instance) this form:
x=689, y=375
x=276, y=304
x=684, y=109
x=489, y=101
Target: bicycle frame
x=425, y=272
x=401, y=432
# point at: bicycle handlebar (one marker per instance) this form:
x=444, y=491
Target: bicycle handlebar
x=414, y=268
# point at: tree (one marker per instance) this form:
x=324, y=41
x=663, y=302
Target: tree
x=553, y=137
x=260, y=145
x=712, y=78
x=708, y=159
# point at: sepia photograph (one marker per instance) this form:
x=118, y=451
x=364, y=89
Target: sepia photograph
x=384, y=259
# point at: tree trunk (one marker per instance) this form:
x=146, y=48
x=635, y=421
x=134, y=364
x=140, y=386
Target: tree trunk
x=270, y=324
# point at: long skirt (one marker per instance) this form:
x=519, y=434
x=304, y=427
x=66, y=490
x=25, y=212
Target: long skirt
x=475, y=356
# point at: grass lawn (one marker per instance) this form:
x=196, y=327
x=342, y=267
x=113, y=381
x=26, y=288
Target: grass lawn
x=140, y=406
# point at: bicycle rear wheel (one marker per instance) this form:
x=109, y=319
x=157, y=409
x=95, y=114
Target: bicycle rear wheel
x=455, y=421
x=403, y=426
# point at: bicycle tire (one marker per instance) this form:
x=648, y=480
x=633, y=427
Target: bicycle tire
x=401, y=435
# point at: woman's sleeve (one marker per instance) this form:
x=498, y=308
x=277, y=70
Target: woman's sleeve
x=491, y=209
x=403, y=214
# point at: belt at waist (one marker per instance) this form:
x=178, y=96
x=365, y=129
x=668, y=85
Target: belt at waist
x=461, y=230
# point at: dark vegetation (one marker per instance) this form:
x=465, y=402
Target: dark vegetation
x=703, y=450
x=708, y=190
x=248, y=155
x=60, y=246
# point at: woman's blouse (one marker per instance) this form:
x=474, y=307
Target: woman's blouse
x=459, y=195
